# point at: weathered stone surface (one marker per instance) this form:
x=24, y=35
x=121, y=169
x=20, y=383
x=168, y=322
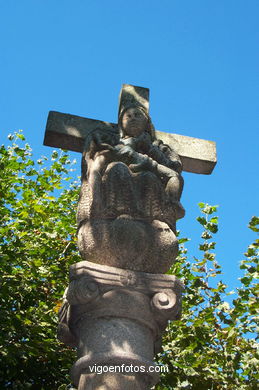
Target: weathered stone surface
x=115, y=277
x=115, y=382
x=100, y=291
x=118, y=303
x=116, y=317
x=134, y=245
x=197, y=155
x=69, y=131
x=131, y=95
x=130, y=196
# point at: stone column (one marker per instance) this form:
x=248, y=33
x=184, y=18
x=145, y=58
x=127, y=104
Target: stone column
x=115, y=318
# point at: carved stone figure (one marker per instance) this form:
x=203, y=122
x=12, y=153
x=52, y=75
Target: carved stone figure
x=118, y=300
x=145, y=170
x=130, y=196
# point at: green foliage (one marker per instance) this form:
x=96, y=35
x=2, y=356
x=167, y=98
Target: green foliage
x=211, y=347
x=37, y=245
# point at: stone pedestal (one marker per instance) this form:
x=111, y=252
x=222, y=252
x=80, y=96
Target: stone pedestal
x=115, y=318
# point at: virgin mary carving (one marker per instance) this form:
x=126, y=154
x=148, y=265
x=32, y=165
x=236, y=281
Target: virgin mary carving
x=130, y=196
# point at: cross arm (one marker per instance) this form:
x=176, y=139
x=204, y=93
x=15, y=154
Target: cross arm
x=197, y=155
x=69, y=132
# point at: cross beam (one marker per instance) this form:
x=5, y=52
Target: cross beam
x=69, y=132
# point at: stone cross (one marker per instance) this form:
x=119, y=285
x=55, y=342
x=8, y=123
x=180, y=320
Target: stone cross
x=119, y=300
x=69, y=132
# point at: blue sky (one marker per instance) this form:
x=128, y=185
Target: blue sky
x=200, y=60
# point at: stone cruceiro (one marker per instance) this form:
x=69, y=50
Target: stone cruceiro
x=119, y=300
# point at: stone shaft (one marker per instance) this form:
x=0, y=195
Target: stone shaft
x=115, y=318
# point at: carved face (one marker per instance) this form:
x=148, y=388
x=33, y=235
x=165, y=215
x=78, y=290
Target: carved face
x=134, y=122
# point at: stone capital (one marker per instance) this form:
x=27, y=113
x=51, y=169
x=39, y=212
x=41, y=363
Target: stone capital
x=116, y=316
